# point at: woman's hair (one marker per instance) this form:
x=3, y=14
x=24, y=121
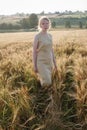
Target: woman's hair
x=43, y=18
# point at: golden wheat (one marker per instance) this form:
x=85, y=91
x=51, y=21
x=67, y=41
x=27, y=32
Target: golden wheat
x=23, y=103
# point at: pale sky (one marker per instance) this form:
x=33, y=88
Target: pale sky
x=8, y=7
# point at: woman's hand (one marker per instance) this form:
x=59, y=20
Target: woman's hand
x=35, y=70
x=55, y=68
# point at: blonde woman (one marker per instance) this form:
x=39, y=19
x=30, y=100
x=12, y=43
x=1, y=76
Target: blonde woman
x=43, y=55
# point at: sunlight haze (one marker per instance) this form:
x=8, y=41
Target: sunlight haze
x=8, y=7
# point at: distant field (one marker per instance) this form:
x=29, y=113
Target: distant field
x=59, y=35
x=10, y=19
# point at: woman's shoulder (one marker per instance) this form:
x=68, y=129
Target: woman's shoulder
x=37, y=35
x=50, y=34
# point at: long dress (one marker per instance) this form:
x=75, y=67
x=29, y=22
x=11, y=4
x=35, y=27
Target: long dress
x=44, y=59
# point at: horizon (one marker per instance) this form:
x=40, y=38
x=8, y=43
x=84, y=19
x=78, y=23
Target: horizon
x=11, y=7
x=44, y=12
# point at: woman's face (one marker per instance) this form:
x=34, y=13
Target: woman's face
x=44, y=25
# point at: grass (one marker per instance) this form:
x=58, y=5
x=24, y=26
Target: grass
x=24, y=105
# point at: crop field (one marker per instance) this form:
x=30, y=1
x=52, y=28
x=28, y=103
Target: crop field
x=24, y=104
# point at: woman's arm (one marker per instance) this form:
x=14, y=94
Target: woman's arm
x=54, y=61
x=35, y=44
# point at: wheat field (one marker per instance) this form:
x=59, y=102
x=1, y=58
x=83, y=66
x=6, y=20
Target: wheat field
x=79, y=35
x=24, y=105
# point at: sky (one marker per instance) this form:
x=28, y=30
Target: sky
x=8, y=7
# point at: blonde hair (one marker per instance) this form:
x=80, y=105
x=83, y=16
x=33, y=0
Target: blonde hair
x=43, y=18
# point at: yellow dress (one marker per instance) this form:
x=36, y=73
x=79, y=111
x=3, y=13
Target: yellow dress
x=44, y=58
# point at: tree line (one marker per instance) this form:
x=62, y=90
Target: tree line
x=69, y=22
x=31, y=22
x=25, y=23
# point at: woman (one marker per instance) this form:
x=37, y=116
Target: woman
x=43, y=55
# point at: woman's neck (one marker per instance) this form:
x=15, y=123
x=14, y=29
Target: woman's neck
x=44, y=32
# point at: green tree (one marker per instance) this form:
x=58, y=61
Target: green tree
x=86, y=24
x=53, y=24
x=33, y=20
x=67, y=24
x=25, y=23
x=80, y=24
x=3, y=26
